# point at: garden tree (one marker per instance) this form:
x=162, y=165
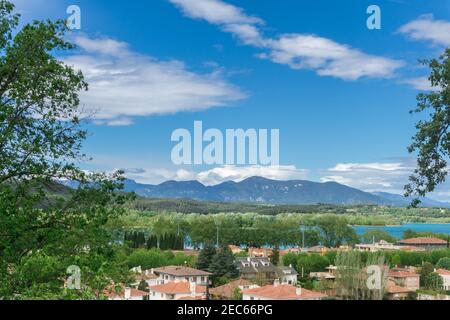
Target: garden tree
x=443, y=263
x=42, y=233
x=205, y=257
x=426, y=269
x=336, y=231
x=222, y=265
x=275, y=256
x=396, y=260
x=237, y=294
x=352, y=276
x=432, y=140
x=310, y=263
x=371, y=236
x=154, y=258
x=433, y=281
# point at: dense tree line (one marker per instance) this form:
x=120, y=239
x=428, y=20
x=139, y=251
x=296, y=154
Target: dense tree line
x=138, y=239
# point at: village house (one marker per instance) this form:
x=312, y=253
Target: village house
x=405, y=278
x=261, y=268
x=287, y=275
x=147, y=276
x=425, y=243
x=259, y=252
x=445, y=275
x=181, y=274
x=178, y=291
x=235, y=249
x=377, y=246
x=279, y=291
x=125, y=294
x=226, y=292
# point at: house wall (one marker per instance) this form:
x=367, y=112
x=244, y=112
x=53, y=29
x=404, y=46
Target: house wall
x=446, y=281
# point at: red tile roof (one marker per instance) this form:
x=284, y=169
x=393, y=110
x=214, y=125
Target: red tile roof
x=443, y=272
x=398, y=289
x=112, y=293
x=402, y=274
x=181, y=271
x=227, y=290
x=423, y=241
x=284, y=292
x=177, y=287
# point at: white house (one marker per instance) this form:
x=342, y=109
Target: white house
x=287, y=275
x=181, y=274
x=445, y=275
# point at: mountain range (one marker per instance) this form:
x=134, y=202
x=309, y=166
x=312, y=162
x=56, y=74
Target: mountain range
x=266, y=191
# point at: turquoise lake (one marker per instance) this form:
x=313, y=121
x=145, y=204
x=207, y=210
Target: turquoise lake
x=397, y=231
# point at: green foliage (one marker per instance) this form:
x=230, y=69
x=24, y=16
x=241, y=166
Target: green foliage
x=275, y=257
x=352, y=275
x=432, y=281
x=336, y=231
x=155, y=258
x=443, y=263
x=310, y=263
x=237, y=294
x=377, y=235
x=432, y=140
x=43, y=233
x=205, y=258
x=222, y=264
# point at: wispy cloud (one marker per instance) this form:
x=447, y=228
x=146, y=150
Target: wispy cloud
x=377, y=176
x=299, y=51
x=420, y=83
x=124, y=84
x=216, y=175
x=426, y=28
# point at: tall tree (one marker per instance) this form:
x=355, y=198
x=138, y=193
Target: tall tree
x=432, y=140
x=44, y=228
x=205, y=257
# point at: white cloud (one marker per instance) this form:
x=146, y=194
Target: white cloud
x=377, y=176
x=216, y=175
x=124, y=84
x=420, y=83
x=214, y=11
x=299, y=51
x=329, y=58
x=234, y=173
x=425, y=28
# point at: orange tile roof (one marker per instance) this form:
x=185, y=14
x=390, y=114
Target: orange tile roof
x=191, y=298
x=227, y=289
x=112, y=293
x=284, y=292
x=443, y=272
x=402, y=274
x=177, y=287
x=398, y=289
x=423, y=241
x=181, y=271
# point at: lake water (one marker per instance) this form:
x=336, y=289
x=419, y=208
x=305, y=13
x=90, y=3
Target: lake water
x=397, y=231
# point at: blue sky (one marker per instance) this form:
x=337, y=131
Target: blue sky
x=339, y=93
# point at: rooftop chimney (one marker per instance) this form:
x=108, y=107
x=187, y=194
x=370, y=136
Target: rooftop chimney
x=127, y=293
x=193, y=288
